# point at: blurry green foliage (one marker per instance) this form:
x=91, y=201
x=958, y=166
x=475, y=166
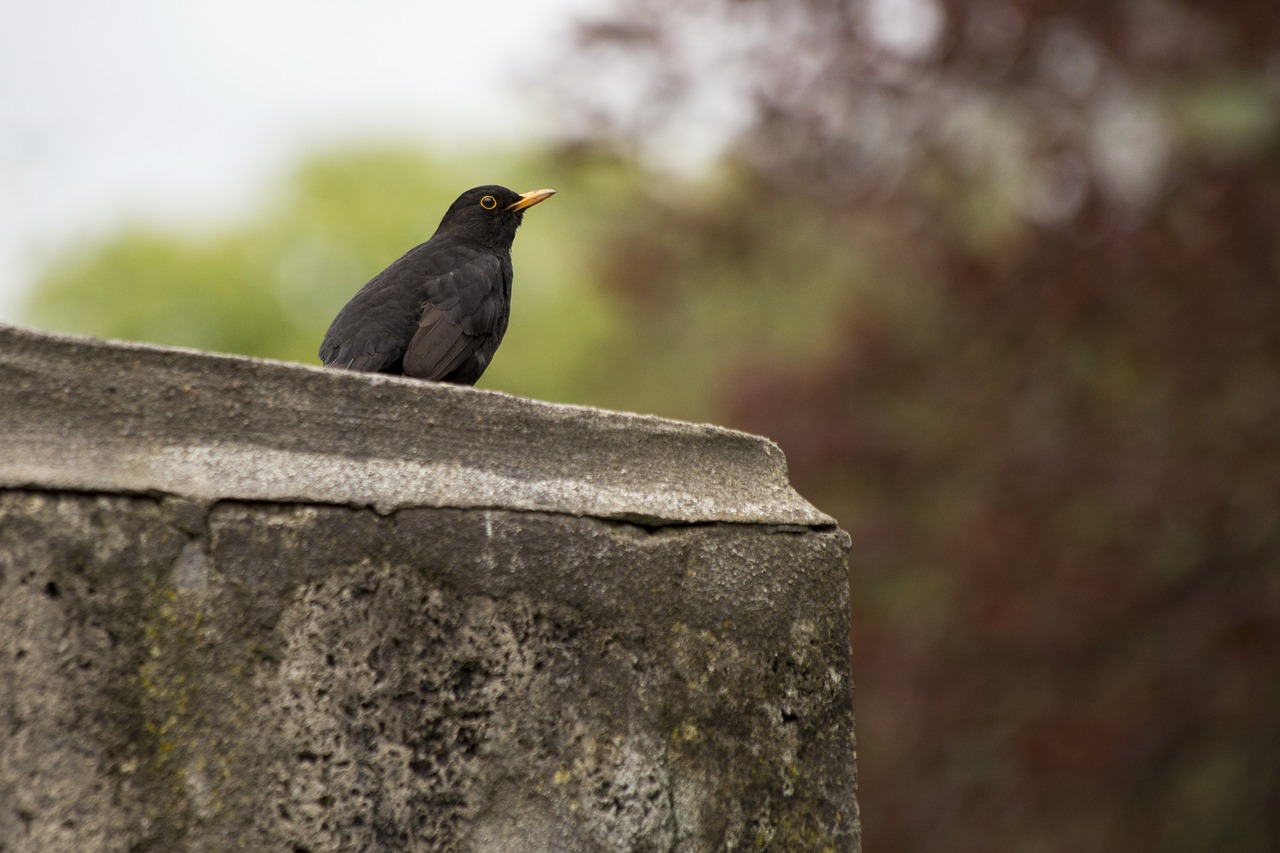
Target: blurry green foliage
x=269, y=286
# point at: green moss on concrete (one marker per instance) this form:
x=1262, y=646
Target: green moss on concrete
x=193, y=701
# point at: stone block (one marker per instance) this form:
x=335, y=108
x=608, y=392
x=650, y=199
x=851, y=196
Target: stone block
x=251, y=605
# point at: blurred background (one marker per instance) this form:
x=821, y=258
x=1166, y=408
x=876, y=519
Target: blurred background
x=1002, y=278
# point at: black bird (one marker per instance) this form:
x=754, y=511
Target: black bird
x=440, y=311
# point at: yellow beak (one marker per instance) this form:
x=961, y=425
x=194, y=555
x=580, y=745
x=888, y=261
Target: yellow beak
x=530, y=198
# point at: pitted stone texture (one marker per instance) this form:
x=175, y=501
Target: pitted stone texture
x=267, y=677
x=409, y=700
x=75, y=573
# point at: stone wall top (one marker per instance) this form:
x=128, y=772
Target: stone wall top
x=83, y=414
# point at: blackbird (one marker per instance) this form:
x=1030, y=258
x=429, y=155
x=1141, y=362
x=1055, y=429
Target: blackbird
x=440, y=311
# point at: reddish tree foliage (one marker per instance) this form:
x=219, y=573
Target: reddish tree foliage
x=1051, y=417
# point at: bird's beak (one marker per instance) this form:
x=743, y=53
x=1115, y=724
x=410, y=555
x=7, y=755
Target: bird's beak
x=529, y=199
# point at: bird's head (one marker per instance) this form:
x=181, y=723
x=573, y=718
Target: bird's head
x=490, y=214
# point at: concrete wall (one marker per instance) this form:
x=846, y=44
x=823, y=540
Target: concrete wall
x=250, y=605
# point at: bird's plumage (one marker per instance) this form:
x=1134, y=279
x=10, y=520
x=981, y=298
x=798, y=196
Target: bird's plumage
x=440, y=311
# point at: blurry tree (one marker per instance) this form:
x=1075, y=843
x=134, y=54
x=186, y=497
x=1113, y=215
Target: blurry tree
x=1003, y=279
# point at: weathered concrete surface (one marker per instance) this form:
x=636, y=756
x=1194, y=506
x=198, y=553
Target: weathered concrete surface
x=133, y=418
x=193, y=663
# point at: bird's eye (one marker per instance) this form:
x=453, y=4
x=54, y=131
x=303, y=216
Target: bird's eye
x=488, y=202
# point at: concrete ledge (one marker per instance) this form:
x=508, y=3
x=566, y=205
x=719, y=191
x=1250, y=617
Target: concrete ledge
x=91, y=415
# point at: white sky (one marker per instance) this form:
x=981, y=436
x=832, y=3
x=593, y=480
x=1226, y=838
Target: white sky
x=147, y=108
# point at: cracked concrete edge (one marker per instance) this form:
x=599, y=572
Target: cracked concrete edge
x=83, y=414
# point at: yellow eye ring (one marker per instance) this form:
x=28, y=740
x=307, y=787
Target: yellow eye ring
x=488, y=202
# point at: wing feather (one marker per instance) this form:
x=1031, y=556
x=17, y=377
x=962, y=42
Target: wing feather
x=460, y=315
x=438, y=347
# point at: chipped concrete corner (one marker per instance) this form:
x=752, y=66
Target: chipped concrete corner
x=250, y=605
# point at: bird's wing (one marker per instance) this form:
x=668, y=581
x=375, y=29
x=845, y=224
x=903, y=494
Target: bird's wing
x=372, y=330
x=373, y=346
x=463, y=308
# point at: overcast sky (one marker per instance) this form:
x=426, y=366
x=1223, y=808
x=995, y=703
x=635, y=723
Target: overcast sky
x=144, y=108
